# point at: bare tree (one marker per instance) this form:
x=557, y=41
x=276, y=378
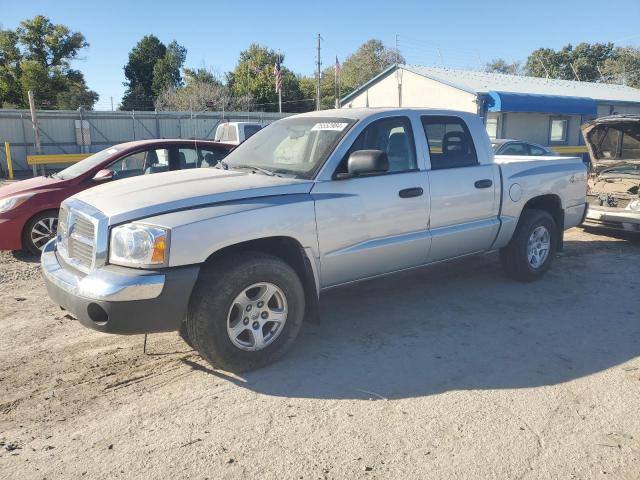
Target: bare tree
x=203, y=91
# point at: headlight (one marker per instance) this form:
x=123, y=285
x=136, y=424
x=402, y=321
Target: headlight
x=634, y=205
x=12, y=202
x=139, y=245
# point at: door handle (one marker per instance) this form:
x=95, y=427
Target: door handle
x=411, y=192
x=486, y=183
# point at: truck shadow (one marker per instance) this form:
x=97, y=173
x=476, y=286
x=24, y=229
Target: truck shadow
x=464, y=325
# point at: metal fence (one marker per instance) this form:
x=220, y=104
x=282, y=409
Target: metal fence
x=63, y=131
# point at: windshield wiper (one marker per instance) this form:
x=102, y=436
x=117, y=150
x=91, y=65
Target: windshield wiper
x=255, y=169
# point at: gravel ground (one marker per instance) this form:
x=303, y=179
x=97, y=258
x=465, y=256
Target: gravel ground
x=449, y=372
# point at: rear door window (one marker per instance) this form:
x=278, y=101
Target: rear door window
x=514, y=148
x=537, y=151
x=450, y=143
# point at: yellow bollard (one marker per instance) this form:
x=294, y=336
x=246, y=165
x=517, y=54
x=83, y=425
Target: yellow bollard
x=7, y=151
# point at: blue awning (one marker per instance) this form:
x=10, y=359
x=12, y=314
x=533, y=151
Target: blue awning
x=524, y=102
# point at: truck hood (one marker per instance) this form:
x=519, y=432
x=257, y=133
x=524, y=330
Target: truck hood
x=148, y=195
x=613, y=141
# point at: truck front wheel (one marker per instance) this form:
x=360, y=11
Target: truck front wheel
x=531, y=250
x=245, y=311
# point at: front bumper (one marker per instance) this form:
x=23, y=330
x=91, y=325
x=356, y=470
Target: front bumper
x=120, y=300
x=614, y=219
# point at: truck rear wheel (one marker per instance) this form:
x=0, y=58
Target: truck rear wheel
x=245, y=311
x=531, y=250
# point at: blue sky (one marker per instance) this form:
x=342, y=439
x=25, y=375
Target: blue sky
x=461, y=33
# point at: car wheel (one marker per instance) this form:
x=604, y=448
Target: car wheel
x=39, y=230
x=531, y=250
x=245, y=311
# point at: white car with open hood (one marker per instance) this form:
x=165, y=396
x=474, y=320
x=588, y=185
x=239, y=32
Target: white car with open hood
x=614, y=185
x=236, y=257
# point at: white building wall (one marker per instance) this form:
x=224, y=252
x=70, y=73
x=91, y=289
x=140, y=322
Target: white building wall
x=417, y=91
x=534, y=127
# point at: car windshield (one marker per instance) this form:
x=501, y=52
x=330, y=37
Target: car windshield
x=296, y=146
x=85, y=165
x=628, y=169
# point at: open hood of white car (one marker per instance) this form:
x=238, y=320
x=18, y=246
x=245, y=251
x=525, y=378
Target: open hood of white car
x=613, y=141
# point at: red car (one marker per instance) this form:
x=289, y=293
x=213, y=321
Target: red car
x=29, y=209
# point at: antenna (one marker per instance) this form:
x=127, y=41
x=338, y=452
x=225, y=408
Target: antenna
x=318, y=64
x=574, y=71
x=543, y=66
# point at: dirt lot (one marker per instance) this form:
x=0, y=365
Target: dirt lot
x=449, y=372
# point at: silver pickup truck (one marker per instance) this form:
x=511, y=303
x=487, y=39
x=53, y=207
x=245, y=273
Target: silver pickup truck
x=235, y=257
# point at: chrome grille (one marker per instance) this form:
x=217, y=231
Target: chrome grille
x=79, y=234
x=84, y=228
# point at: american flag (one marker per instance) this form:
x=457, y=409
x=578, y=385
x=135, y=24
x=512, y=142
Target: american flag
x=337, y=67
x=277, y=72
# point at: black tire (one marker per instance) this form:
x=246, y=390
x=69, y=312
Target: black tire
x=217, y=288
x=27, y=241
x=184, y=335
x=514, y=256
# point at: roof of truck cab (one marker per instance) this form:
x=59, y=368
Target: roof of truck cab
x=364, y=112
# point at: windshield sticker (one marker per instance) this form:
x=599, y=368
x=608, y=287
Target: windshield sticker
x=334, y=126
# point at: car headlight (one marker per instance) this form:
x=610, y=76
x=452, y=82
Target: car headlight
x=9, y=203
x=139, y=245
x=634, y=205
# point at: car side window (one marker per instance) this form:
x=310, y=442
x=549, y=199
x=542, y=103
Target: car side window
x=187, y=158
x=537, y=151
x=210, y=157
x=514, y=148
x=142, y=162
x=450, y=143
x=391, y=135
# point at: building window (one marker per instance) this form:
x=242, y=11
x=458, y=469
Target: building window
x=492, y=127
x=558, y=130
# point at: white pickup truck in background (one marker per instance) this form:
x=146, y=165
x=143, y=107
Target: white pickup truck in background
x=237, y=257
x=234, y=133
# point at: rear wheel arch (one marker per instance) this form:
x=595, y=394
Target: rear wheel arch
x=552, y=204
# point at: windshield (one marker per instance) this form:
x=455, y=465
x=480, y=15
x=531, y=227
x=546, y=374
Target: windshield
x=628, y=169
x=296, y=146
x=87, y=164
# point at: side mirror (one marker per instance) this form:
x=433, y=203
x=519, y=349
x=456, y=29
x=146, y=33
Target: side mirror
x=364, y=162
x=103, y=176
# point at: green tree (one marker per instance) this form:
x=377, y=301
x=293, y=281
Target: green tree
x=151, y=69
x=500, y=65
x=582, y=62
x=166, y=71
x=37, y=56
x=368, y=61
x=253, y=78
x=623, y=67
x=10, y=72
x=139, y=73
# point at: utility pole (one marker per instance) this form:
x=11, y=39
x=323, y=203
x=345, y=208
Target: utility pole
x=112, y=104
x=318, y=74
x=36, y=130
x=398, y=73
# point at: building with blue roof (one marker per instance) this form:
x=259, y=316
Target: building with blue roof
x=539, y=110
